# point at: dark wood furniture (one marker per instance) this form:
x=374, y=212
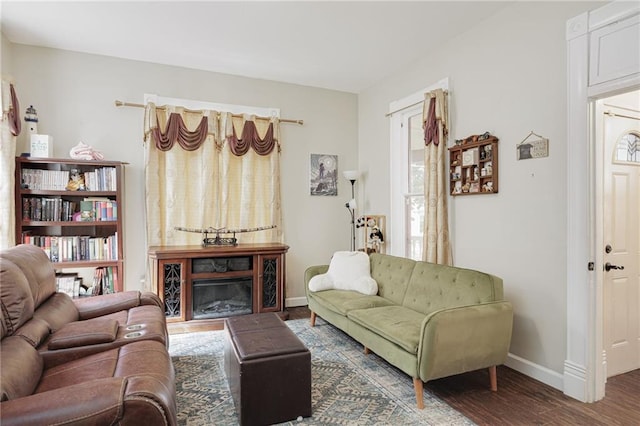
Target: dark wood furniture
x=176, y=269
x=44, y=212
x=473, y=167
x=268, y=370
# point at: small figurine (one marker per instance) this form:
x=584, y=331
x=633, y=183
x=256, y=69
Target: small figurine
x=76, y=181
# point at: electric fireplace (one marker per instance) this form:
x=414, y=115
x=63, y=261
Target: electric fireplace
x=221, y=298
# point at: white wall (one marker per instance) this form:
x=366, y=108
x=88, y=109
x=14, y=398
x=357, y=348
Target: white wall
x=74, y=95
x=5, y=55
x=507, y=76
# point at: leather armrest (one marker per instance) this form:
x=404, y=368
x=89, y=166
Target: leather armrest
x=95, y=306
x=94, y=402
x=149, y=298
x=83, y=333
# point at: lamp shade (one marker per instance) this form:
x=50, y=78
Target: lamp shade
x=350, y=174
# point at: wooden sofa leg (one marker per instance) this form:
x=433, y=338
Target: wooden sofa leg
x=417, y=385
x=493, y=378
x=366, y=351
x=313, y=319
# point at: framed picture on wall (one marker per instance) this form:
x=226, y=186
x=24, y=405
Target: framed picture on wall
x=323, y=174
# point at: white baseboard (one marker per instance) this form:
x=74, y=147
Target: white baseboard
x=575, y=381
x=295, y=301
x=538, y=372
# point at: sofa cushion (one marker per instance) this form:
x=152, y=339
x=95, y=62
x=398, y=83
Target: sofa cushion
x=397, y=324
x=343, y=301
x=20, y=369
x=392, y=274
x=16, y=300
x=348, y=270
x=433, y=287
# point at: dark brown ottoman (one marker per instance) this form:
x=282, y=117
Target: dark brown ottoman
x=268, y=369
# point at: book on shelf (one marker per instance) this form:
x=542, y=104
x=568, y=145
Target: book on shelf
x=47, y=209
x=74, y=248
x=48, y=180
x=68, y=283
x=100, y=209
x=104, y=279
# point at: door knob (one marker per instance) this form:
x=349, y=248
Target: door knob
x=608, y=266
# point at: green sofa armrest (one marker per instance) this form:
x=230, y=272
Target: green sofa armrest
x=466, y=338
x=311, y=272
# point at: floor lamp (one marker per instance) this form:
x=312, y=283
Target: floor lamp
x=352, y=176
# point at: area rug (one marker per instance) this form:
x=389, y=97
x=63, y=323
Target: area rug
x=348, y=387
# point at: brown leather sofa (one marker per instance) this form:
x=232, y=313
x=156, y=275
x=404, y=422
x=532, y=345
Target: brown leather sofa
x=101, y=360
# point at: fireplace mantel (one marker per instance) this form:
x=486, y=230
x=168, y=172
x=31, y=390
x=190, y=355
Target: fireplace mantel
x=177, y=268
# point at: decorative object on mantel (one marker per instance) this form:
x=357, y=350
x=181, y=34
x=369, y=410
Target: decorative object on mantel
x=82, y=151
x=473, y=165
x=352, y=176
x=218, y=240
x=534, y=148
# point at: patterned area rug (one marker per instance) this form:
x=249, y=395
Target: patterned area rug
x=348, y=387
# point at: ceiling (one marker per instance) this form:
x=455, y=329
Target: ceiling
x=345, y=46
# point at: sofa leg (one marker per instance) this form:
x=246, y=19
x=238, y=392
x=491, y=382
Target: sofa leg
x=493, y=378
x=417, y=385
x=313, y=319
x=366, y=351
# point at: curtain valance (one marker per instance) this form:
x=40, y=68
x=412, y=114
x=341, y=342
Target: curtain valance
x=11, y=108
x=434, y=112
x=251, y=139
x=172, y=119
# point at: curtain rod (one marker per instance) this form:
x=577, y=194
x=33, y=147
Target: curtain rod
x=613, y=114
x=389, y=114
x=130, y=104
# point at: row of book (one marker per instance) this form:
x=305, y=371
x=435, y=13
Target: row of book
x=56, y=209
x=50, y=180
x=100, y=179
x=48, y=209
x=75, y=248
x=98, y=209
x=104, y=282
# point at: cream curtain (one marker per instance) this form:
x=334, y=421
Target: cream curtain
x=8, y=132
x=209, y=186
x=437, y=248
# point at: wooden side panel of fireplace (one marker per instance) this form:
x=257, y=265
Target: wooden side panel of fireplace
x=174, y=275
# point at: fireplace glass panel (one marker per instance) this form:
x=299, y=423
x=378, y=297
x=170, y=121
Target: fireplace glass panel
x=221, y=298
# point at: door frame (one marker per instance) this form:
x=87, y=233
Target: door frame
x=584, y=369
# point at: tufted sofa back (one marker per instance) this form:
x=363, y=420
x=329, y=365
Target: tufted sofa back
x=392, y=275
x=427, y=287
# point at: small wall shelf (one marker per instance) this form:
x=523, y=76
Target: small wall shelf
x=473, y=167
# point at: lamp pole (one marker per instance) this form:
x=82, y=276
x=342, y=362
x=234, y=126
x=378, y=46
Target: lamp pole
x=352, y=176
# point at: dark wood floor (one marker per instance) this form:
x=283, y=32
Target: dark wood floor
x=521, y=400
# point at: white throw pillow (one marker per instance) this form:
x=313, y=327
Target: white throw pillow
x=348, y=270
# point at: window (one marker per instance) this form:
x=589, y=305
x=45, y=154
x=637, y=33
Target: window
x=407, y=171
x=628, y=149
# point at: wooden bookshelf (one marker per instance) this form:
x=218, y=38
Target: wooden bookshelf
x=51, y=216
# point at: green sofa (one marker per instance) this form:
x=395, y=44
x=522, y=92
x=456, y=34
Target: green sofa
x=428, y=320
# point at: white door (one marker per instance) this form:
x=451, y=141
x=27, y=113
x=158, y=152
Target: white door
x=622, y=239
